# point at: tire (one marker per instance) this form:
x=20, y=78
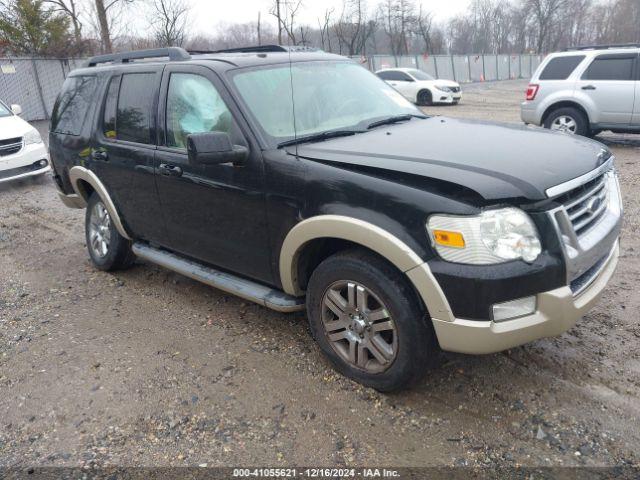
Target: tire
x=569, y=120
x=409, y=346
x=424, y=98
x=108, y=249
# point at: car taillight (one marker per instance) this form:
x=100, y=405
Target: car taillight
x=532, y=89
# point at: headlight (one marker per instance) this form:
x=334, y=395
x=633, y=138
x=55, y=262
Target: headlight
x=443, y=88
x=32, y=137
x=494, y=236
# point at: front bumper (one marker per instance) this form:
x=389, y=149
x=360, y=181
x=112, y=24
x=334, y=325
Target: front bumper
x=557, y=311
x=446, y=97
x=24, y=163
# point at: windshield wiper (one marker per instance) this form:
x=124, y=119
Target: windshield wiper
x=320, y=136
x=394, y=119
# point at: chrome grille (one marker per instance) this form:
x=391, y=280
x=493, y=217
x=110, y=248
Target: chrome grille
x=10, y=146
x=586, y=204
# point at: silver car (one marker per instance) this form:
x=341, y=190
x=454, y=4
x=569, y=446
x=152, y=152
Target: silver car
x=586, y=90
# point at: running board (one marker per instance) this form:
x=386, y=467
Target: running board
x=241, y=287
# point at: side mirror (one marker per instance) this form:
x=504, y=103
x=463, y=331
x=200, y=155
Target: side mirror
x=16, y=109
x=215, y=148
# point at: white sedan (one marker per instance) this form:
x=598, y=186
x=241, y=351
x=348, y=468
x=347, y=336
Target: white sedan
x=420, y=87
x=22, y=152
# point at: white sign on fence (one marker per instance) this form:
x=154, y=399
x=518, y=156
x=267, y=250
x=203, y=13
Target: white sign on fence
x=7, y=68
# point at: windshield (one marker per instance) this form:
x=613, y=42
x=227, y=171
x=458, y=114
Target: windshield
x=420, y=75
x=4, y=110
x=327, y=96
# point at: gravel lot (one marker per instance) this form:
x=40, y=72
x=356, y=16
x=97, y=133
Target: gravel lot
x=148, y=368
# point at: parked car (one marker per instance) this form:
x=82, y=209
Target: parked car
x=421, y=88
x=298, y=179
x=22, y=153
x=586, y=90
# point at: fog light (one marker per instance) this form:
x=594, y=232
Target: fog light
x=514, y=308
x=42, y=163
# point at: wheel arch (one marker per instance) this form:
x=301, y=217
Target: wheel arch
x=344, y=232
x=84, y=183
x=565, y=104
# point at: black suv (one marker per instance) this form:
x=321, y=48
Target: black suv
x=297, y=178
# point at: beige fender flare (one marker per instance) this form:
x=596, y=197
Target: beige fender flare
x=80, y=173
x=371, y=237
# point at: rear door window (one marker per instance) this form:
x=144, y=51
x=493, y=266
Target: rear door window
x=560, y=68
x=134, y=115
x=73, y=104
x=111, y=109
x=610, y=67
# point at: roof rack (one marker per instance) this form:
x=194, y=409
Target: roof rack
x=267, y=49
x=604, y=47
x=174, y=54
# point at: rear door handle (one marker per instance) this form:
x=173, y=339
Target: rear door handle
x=588, y=87
x=100, y=155
x=169, y=170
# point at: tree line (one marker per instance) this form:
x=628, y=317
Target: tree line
x=356, y=28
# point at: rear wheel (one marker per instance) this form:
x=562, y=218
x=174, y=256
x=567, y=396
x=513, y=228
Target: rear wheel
x=425, y=98
x=107, y=248
x=568, y=120
x=367, y=320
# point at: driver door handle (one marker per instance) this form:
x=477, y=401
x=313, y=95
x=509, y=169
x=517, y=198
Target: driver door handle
x=169, y=170
x=588, y=87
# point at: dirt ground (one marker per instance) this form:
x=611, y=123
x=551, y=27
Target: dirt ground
x=148, y=368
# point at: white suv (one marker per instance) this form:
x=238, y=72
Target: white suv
x=420, y=87
x=22, y=152
x=586, y=90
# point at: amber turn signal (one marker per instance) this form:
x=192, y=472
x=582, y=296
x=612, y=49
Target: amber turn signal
x=448, y=239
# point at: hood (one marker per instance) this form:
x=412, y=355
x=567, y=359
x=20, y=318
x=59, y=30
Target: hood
x=13, y=126
x=446, y=83
x=498, y=161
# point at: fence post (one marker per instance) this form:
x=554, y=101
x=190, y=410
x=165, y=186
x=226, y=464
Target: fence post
x=435, y=65
x=509, y=57
x=530, y=65
x=453, y=69
x=520, y=66
x=484, y=72
x=469, y=65
x=40, y=92
x=497, y=67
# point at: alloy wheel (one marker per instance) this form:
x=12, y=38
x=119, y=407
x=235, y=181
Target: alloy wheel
x=359, y=327
x=564, y=123
x=99, y=230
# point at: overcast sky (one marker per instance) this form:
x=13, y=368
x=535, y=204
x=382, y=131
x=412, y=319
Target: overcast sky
x=207, y=15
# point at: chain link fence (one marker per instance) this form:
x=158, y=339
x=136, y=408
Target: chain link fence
x=461, y=68
x=34, y=83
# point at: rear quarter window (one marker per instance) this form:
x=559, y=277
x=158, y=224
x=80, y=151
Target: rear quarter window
x=560, y=68
x=71, y=109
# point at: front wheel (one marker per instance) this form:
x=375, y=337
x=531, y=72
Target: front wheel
x=568, y=120
x=107, y=248
x=425, y=98
x=367, y=320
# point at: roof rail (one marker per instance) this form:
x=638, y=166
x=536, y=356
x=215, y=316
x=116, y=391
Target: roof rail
x=174, y=54
x=603, y=47
x=268, y=49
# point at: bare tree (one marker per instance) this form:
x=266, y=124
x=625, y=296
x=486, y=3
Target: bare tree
x=286, y=12
x=105, y=18
x=324, y=30
x=168, y=21
x=70, y=9
x=423, y=26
